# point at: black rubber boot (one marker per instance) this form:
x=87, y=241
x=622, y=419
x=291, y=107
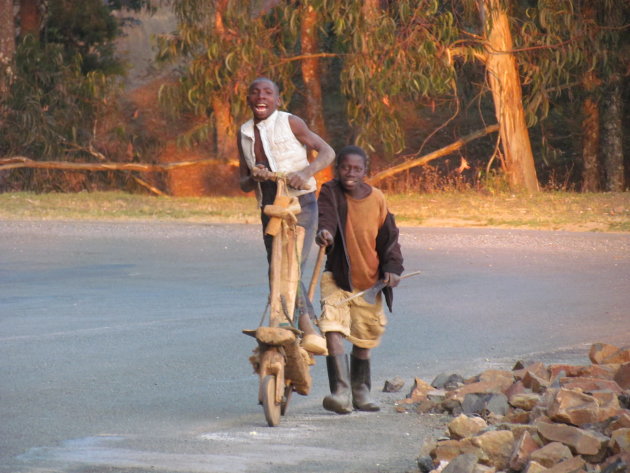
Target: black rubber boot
x=338, y=377
x=361, y=385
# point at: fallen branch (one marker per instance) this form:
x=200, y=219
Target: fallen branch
x=431, y=156
x=101, y=157
x=22, y=162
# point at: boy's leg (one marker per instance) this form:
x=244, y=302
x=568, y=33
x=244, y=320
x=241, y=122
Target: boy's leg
x=267, y=239
x=339, y=381
x=334, y=342
x=334, y=323
x=307, y=218
x=361, y=382
x=368, y=326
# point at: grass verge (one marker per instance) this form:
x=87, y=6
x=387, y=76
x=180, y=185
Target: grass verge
x=603, y=212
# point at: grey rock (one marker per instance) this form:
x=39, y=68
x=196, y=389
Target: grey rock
x=618, y=466
x=485, y=403
x=425, y=464
x=448, y=381
x=464, y=463
x=393, y=385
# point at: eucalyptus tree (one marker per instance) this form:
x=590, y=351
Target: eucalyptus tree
x=391, y=53
x=221, y=47
x=225, y=44
x=616, y=42
x=7, y=44
x=311, y=69
x=63, y=76
x=534, y=52
x=392, y=56
x=505, y=84
x=30, y=12
x=572, y=50
x=56, y=91
x=411, y=50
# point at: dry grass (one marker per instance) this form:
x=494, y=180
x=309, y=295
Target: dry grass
x=605, y=212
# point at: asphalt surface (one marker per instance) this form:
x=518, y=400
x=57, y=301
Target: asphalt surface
x=121, y=346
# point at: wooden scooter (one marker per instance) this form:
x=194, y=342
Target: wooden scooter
x=281, y=364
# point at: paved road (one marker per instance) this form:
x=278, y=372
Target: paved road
x=120, y=343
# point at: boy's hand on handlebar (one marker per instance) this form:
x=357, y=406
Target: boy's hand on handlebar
x=324, y=238
x=298, y=180
x=391, y=279
x=261, y=173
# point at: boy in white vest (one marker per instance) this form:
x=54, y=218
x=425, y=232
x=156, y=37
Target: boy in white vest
x=277, y=141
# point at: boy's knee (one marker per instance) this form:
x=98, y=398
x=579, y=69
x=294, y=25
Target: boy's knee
x=334, y=342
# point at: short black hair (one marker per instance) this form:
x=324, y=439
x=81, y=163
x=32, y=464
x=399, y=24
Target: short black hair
x=351, y=149
x=266, y=79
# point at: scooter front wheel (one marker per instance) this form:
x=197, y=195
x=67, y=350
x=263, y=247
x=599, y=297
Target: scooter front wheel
x=270, y=406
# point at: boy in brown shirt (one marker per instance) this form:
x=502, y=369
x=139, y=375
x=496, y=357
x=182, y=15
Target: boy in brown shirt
x=362, y=240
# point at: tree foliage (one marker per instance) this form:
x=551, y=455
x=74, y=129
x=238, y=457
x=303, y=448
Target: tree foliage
x=87, y=32
x=392, y=54
x=62, y=82
x=397, y=55
x=384, y=61
x=569, y=54
x=48, y=106
x=223, y=50
x=560, y=42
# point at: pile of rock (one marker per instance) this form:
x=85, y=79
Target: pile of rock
x=535, y=418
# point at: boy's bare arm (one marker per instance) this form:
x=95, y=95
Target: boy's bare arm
x=325, y=153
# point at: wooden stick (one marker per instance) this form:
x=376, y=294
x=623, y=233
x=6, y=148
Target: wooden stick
x=316, y=271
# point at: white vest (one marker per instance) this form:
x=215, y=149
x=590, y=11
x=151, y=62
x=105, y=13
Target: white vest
x=284, y=151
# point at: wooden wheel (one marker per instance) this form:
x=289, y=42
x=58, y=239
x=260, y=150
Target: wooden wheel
x=270, y=406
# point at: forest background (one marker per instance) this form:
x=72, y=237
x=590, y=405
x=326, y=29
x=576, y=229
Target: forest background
x=474, y=95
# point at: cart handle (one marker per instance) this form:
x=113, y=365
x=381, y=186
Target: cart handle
x=282, y=176
x=316, y=271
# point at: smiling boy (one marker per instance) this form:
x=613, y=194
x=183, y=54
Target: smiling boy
x=362, y=240
x=277, y=141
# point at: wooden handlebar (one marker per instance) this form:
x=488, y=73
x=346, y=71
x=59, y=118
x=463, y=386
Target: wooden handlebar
x=282, y=176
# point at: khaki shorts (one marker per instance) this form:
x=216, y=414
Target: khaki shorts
x=361, y=323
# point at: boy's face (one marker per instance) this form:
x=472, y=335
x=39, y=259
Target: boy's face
x=263, y=99
x=351, y=171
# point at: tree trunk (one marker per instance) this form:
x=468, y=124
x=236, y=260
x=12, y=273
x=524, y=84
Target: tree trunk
x=370, y=9
x=196, y=180
x=224, y=126
x=612, y=136
x=30, y=18
x=7, y=43
x=591, y=171
x=505, y=84
x=590, y=146
x=612, y=107
x=223, y=121
x=312, y=82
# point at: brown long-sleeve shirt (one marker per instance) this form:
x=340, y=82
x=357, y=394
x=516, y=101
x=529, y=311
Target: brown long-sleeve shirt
x=333, y=216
